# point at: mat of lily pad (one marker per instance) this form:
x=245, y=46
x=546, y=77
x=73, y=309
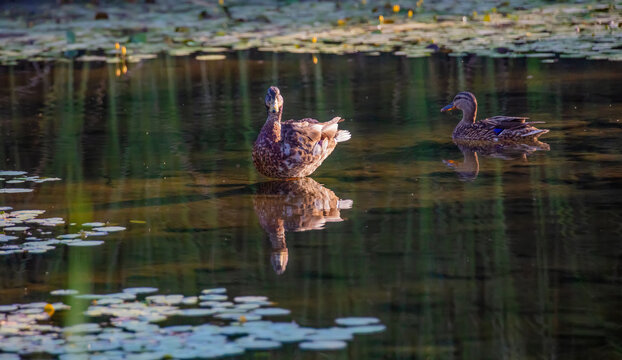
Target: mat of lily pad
x=138, y=324
x=515, y=28
x=27, y=231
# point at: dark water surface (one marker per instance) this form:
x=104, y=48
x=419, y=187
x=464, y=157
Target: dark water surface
x=509, y=257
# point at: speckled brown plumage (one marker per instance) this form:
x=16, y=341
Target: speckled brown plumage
x=509, y=129
x=293, y=148
x=294, y=205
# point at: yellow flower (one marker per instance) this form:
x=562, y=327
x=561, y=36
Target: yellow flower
x=123, y=50
x=396, y=8
x=118, y=72
x=410, y=13
x=49, y=309
x=487, y=17
x=474, y=14
x=221, y=2
x=117, y=46
x=125, y=69
x=314, y=39
x=341, y=22
x=419, y=3
x=314, y=59
x=381, y=19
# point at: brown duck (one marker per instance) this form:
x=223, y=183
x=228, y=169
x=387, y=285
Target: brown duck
x=293, y=148
x=508, y=129
x=294, y=205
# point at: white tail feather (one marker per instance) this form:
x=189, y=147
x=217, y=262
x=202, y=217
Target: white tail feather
x=343, y=135
x=343, y=204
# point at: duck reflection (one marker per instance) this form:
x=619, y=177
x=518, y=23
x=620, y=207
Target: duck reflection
x=294, y=205
x=469, y=168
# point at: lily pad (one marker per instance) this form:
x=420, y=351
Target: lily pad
x=15, y=190
x=109, y=228
x=85, y=243
x=323, y=345
x=357, y=321
x=213, y=57
x=64, y=292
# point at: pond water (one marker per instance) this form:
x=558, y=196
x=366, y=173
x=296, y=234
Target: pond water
x=476, y=255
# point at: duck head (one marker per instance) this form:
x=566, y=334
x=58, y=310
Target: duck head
x=274, y=100
x=466, y=102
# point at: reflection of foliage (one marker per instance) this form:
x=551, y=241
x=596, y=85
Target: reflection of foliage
x=454, y=269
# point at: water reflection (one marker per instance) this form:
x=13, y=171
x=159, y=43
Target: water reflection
x=294, y=205
x=468, y=169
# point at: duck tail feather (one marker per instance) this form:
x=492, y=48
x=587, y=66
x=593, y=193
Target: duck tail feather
x=344, y=204
x=343, y=135
x=536, y=133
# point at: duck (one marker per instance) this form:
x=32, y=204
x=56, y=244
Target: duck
x=293, y=148
x=294, y=205
x=506, y=129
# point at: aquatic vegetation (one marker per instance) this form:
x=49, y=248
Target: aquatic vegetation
x=19, y=178
x=123, y=326
x=512, y=29
x=31, y=234
x=34, y=235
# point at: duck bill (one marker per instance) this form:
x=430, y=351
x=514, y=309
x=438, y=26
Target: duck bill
x=448, y=107
x=274, y=107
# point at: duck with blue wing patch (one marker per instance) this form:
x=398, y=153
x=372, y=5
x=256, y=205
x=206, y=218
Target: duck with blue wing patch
x=508, y=129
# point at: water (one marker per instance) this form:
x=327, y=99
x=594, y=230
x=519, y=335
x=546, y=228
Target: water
x=518, y=257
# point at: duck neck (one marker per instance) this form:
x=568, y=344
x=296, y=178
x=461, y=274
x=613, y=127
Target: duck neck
x=468, y=113
x=277, y=238
x=272, y=128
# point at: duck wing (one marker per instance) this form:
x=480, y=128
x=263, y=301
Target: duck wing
x=309, y=130
x=513, y=126
x=508, y=122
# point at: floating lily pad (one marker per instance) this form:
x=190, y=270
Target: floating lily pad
x=11, y=173
x=140, y=290
x=250, y=299
x=196, y=312
x=63, y=292
x=213, y=297
x=251, y=343
x=368, y=329
x=85, y=243
x=68, y=236
x=16, y=228
x=109, y=228
x=357, y=321
x=271, y=312
x=323, y=345
x=5, y=238
x=7, y=308
x=15, y=191
x=211, y=57
x=94, y=224
x=214, y=291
